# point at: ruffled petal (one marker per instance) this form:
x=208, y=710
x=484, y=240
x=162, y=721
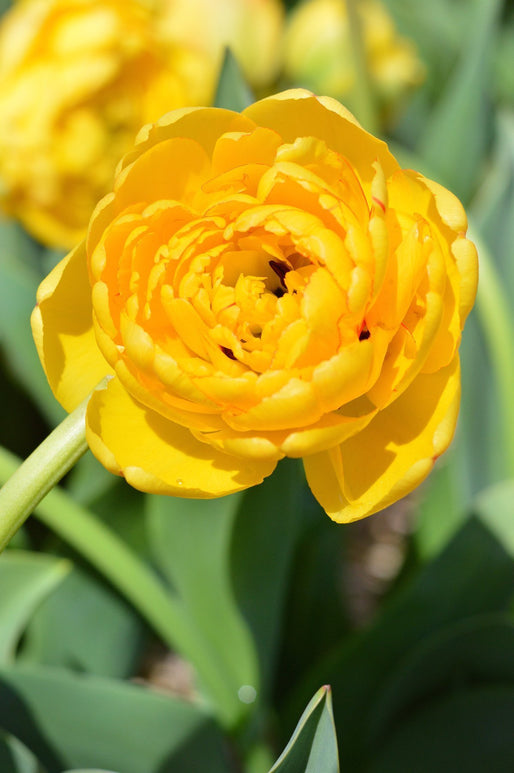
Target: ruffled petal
x=298, y=112
x=393, y=454
x=158, y=456
x=62, y=326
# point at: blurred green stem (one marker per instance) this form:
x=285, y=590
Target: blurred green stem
x=495, y=319
x=365, y=101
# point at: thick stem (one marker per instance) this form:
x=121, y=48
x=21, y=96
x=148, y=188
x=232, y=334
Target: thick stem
x=39, y=473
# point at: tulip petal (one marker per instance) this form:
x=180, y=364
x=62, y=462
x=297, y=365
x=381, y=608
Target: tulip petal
x=202, y=124
x=158, y=456
x=63, y=331
x=393, y=454
x=298, y=112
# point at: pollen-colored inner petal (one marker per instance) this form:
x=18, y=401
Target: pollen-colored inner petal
x=272, y=296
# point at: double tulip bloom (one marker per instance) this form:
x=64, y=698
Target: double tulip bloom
x=78, y=78
x=262, y=285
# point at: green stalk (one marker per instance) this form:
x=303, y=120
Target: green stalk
x=365, y=101
x=32, y=480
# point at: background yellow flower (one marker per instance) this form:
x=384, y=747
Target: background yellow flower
x=78, y=78
x=319, y=51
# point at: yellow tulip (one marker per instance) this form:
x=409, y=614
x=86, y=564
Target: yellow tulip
x=251, y=28
x=261, y=285
x=319, y=51
x=78, y=78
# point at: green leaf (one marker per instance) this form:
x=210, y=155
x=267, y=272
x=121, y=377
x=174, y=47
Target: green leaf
x=313, y=746
x=25, y=580
x=474, y=575
x=495, y=507
x=229, y=561
x=491, y=368
x=232, y=92
x=469, y=654
x=15, y=758
x=441, y=493
x=468, y=730
x=86, y=626
x=136, y=581
x=270, y=520
x=19, y=279
x=457, y=132
x=71, y=721
x=190, y=541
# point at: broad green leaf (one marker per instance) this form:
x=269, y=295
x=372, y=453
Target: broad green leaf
x=439, y=494
x=457, y=132
x=232, y=92
x=19, y=279
x=131, y=576
x=471, y=653
x=468, y=730
x=313, y=746
x=89, y=482
x=270, y=519
x=84, y=625
x=473, y=575
x=190, y=541
x=315, y=616
x=15, y=758
x=229, y=559
x=71, y=721
x=495, y=507
x=492, y=408
x=25, y=580
x=118, y=505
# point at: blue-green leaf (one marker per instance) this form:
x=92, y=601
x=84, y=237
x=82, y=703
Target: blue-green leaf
x=457, y=132
x=467, y=730
x=469, y=654
x=19, y=279
x=190, y=541
x=25, y=580
x=313, y=745
x=495, y=507
x=71, y=721
x=232, y=92
x=473, y=575
x=84, y=625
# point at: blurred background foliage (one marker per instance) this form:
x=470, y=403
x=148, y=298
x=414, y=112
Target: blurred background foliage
x=248, y=604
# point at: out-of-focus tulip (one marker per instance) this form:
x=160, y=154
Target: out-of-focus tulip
x=251, y=28
x=78, y=78
x=319, y=50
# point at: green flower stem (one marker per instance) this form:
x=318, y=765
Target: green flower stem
x=365, y=100
x=30, y=482
x=496, y=321
x=25, y=487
